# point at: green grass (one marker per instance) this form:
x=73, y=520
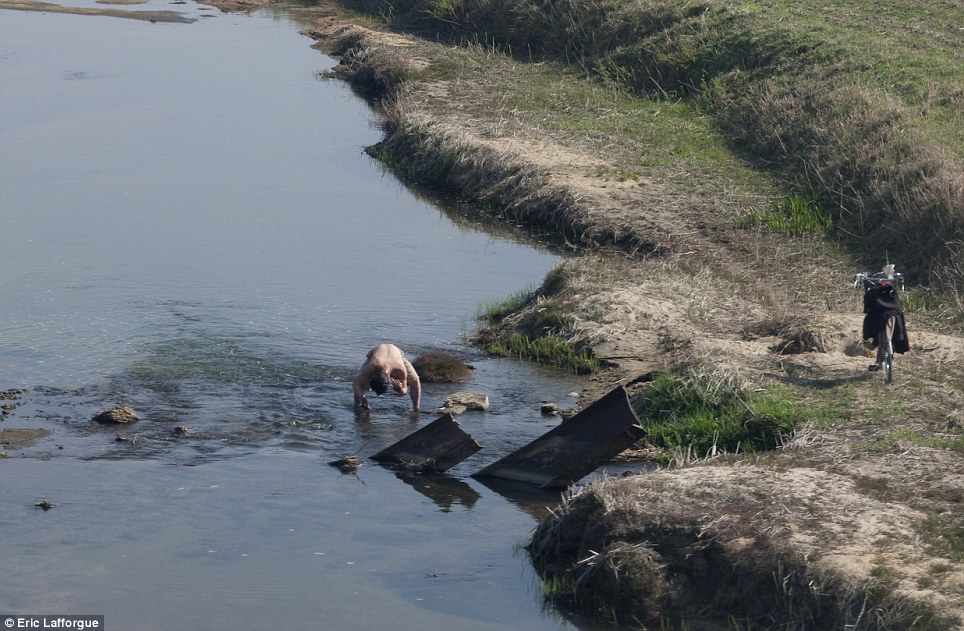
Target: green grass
x=548, y=349
x=545, y=320
x=892, y=438
x=859, y=104
x=947, y=539
x=664, y=133
x=692, y=411
x=498, y=311
x=797, y=216
x=914, y=437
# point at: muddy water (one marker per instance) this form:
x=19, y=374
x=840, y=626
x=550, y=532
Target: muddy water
x=190, y=227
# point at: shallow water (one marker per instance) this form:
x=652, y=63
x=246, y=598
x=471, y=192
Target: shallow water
x=190, y=227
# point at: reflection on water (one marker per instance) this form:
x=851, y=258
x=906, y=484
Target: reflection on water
x=267, y=541
x=442, y=489
x=191, y=228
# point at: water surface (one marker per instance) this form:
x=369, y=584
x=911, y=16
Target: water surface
x=191, y=227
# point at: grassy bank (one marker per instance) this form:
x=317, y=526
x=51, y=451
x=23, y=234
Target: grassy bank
x=858, y=106
x=536, y=324
x=717, y=172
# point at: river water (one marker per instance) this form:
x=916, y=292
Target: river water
x=190, y=227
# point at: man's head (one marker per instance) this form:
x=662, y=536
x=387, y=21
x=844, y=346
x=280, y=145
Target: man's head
x=379, y=383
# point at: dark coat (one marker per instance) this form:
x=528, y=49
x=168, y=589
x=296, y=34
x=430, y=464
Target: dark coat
x=880, y=303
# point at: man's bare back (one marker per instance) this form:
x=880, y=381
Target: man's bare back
x=390, y=361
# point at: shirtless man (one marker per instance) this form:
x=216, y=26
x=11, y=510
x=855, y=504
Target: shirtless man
x=386, y=367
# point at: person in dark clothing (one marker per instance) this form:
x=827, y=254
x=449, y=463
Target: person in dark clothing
x=883, y=313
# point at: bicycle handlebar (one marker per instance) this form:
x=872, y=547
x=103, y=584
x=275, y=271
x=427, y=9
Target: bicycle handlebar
x=870, y=280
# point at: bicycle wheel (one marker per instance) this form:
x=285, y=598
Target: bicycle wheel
x=888, y=363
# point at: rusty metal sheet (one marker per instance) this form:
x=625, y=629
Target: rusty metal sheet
x=576, y=447
x=438, y=446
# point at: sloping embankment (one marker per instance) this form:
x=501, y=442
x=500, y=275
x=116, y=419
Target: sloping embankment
x=825, y=533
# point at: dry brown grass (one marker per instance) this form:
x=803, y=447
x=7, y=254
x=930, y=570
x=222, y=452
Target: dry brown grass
x=737, y=539
x=890, y=188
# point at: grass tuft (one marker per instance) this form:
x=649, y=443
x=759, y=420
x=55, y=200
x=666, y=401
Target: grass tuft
x=548, y=349
x=498, y=311
x=797, y=216
x=706, y=414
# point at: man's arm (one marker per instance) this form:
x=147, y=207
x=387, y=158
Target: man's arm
x=415, y=391
x=361, y=403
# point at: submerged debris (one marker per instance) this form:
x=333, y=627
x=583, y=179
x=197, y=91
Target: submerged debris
x=438, y=446
x=425, y=466
x=575, y=447
x=348, y=464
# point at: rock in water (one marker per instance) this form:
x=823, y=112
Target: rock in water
x=462, y=401
x=550, y=409
x=348, y=464
x=114, y=416
x=441, y=367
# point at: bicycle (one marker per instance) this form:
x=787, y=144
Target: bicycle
x=879, y=281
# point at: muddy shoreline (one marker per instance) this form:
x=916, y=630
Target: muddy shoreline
x=49, y=7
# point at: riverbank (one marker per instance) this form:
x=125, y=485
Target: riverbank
x=856, y=519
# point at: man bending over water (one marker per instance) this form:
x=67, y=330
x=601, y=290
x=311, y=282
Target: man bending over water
x=384, y=368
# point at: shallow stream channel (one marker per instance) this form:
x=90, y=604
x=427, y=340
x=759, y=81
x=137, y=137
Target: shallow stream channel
x=190, y=227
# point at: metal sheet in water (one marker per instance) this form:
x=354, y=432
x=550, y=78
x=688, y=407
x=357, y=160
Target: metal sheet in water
x=438, y=446
x=576, y=447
